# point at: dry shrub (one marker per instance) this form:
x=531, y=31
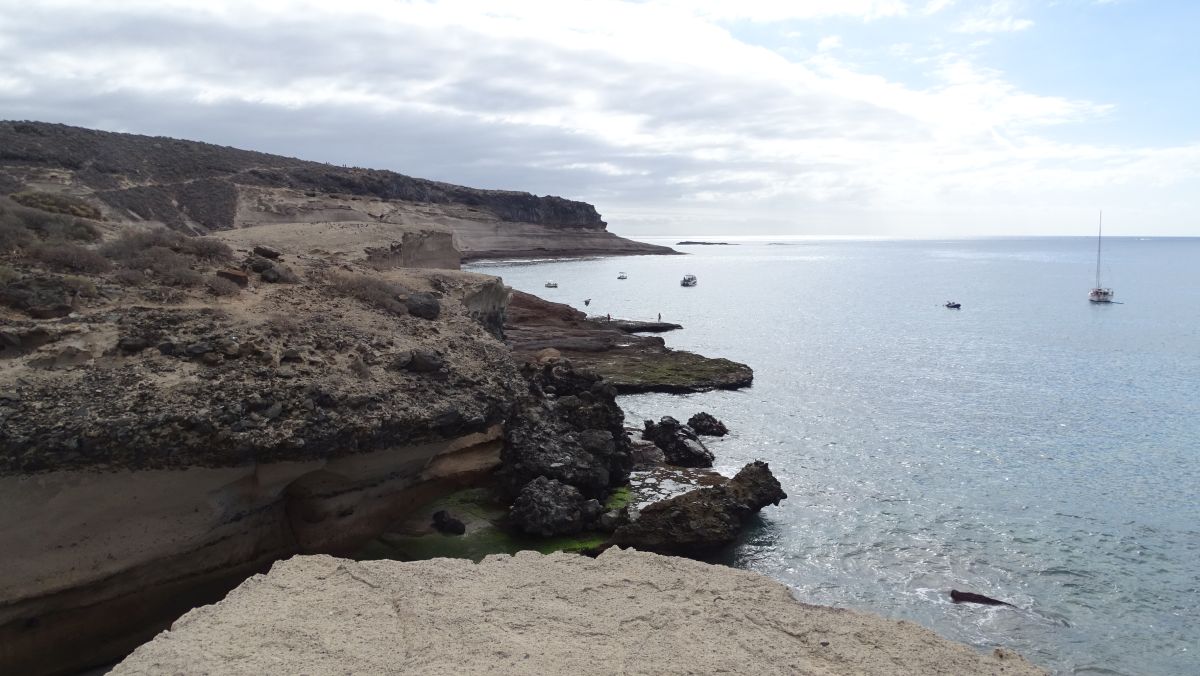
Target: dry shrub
x=207, y=248
x=283, y=325
x=7, y=274
x=66, y=256
x=57, y=203
x=371, y=290
x=130, y=277
x=176, y=270
x=219, y=286
x=14, y=236
x=132, y=244
x=80, y=286
x=21, y=227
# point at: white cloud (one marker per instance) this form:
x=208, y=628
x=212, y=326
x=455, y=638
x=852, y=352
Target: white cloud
x=829, y=42
x=653, y=110
x=998, y=17
x=935, y=6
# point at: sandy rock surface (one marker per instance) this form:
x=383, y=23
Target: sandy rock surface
x=625, y=612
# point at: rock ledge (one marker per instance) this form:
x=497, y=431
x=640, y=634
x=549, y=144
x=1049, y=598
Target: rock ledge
x=624, y=612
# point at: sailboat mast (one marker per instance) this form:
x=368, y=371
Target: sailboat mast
x=1099, y=233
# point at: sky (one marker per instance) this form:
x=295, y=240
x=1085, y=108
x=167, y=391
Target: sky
x=916, y=118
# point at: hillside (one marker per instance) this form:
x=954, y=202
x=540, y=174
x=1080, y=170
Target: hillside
x=200, y=188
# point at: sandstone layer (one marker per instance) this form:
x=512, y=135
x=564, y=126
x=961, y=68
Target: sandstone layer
x=177, y=413
x=624, y=612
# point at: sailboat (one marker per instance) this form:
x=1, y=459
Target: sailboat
x=1100, y=294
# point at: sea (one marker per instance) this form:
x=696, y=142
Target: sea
x=1030, y=446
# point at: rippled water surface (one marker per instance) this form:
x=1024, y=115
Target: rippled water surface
x=1030, y=446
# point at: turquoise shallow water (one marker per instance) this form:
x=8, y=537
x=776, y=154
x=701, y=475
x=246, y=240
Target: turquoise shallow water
x=1031, y=446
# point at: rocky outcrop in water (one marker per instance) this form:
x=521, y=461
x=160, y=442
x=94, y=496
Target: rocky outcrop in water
x=679, y=443
x=701, y=521
x=705, y=424
x=630, y=363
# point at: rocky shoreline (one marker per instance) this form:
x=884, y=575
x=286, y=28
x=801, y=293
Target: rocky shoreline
x=630, y=362
x=179, y=412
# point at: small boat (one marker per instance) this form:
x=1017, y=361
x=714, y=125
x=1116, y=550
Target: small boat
x=551, y=285
x=688, y=280
x=622, y=276
x=1100, y=294
x=953, y=306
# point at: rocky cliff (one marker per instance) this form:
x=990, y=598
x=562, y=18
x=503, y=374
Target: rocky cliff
x=201, y=188
x=178, y=412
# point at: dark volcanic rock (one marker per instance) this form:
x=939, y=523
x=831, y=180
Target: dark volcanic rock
x=236, y=276
x=548, y=507
x=446, y=524
x=423, y=305
x=279, y=274
x=577, y=437
x=678, y=442
x=267, y=252
x=707, y=425
x=703, y=520
x=424, y=361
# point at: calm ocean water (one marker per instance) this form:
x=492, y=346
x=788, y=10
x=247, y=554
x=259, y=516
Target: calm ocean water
x=1031, y=446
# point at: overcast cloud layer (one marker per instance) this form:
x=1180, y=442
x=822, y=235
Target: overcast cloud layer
x=855, y=117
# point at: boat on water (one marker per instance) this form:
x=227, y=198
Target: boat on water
x=1100, y=294
x=688, y=280
x=622, y=276
x=953, y=306
x=551, y=285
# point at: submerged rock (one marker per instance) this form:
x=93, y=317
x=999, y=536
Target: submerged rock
x=707, y=425
x=446, y=524
x=679, y=443
x=705, y=519
x=548, y=507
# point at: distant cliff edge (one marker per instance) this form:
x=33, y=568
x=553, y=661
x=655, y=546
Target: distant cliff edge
x=200, y=188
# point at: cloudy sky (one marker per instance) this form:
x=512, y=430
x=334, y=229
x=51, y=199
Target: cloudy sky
x=821, y=117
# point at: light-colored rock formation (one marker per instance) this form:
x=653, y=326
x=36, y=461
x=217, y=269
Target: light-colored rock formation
x=624, y=612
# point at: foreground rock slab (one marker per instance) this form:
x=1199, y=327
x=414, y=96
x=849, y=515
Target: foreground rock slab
x=624, y=612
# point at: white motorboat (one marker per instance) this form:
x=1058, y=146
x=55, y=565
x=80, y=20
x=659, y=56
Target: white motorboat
x=622, y=276
x=688, y=280
x=551, y=285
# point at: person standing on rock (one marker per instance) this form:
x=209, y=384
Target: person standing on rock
x=660, y=316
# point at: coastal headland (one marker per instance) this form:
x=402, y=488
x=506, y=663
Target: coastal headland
x=212, y=360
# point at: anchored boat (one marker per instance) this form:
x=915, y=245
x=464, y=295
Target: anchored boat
x=1100, y=294
x=688, y=280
